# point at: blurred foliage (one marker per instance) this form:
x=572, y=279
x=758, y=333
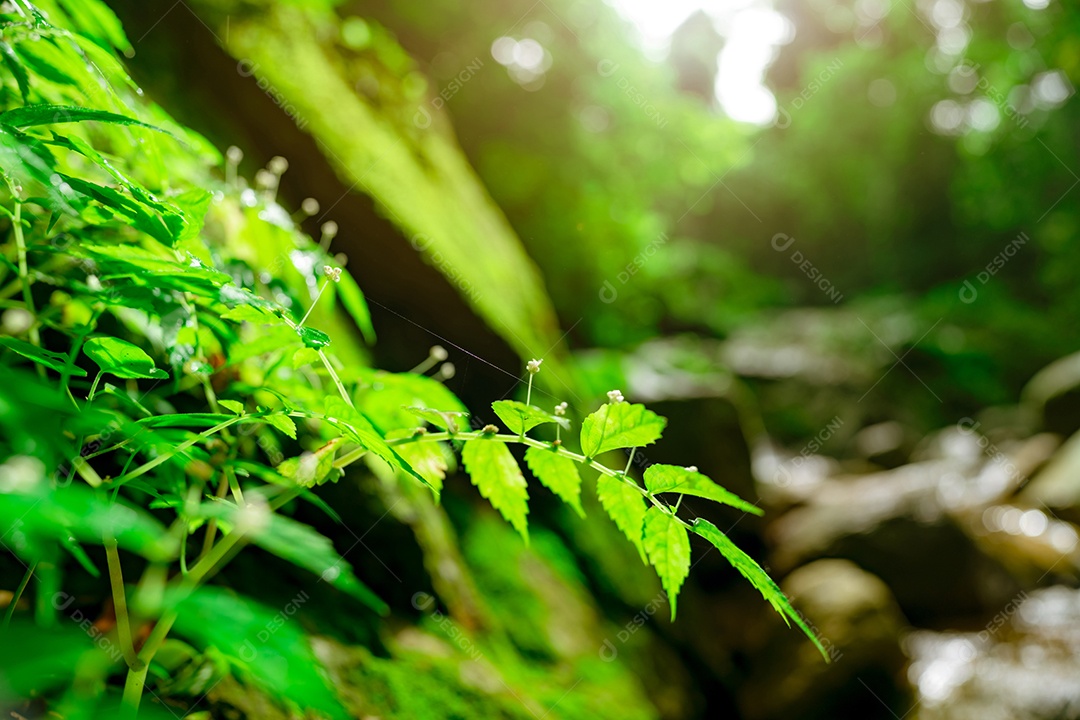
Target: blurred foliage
x=618, y=181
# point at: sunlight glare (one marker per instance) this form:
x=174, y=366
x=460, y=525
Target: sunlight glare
x=754, y=31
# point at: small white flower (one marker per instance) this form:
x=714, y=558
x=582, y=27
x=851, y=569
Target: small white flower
x=560, y=409
x=533, y=366
x=615, y=396
x=332, y=272
x=438, y=352
x=16, y=321
x=253, y=518
x=691, y=468
x=278, y=165
x=265, y=179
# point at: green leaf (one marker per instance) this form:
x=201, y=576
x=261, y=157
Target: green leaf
x=306, y=548
x=188, y=420
x=521, y=418
x=49, y=114
x=267, y=643
x=297, y=543
x=668, y=546
x=360, y=430
x=236, y=407
x=496, y=474
x=249, y=313
x=311, y=468
x=445, y=419
x=96, y=20
x=620, y=425
x=39, y=516
x=355, y=304
x=142, y=217
x=624, y=505
x=15, y=66
x=190, y=275
x=558, y=473
x=314, y=339
x=430, y=459
x=52, y=360
x=305, y=356
x=284, y=423
x=386, y=398
x=757, y=577
x=671, y=478
x=121, y=358
x=46, y=659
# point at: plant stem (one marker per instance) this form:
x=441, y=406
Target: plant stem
x=136, y=678
x=93, y=386
x=528, y=392
x=313, y=304
x=18, y=594
x=234, y=485
x=123, y=622
x=148, y=466
x=559, y=449
x=211, y=524
x=336, y=379
x=65, y=376
x=630, y=461
x=24, y=274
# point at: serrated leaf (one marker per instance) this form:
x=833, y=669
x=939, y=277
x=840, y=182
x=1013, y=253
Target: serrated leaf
x=521, y=418
x=430, y=459
x=314, y=339
x=496, y=474
x=625, y=506
x=757, y=577
x=558, y=473
x=445, y=419
x=236, y=407
x=121, y=358
x=52, y=360
x=671, y=478
x=620, y=425
x=668, y=546
x=284, y=423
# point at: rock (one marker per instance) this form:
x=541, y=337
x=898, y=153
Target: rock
x=858, y=622
x=1023, y=665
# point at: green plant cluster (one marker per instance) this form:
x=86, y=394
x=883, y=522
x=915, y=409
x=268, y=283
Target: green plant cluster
x=168, y=395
